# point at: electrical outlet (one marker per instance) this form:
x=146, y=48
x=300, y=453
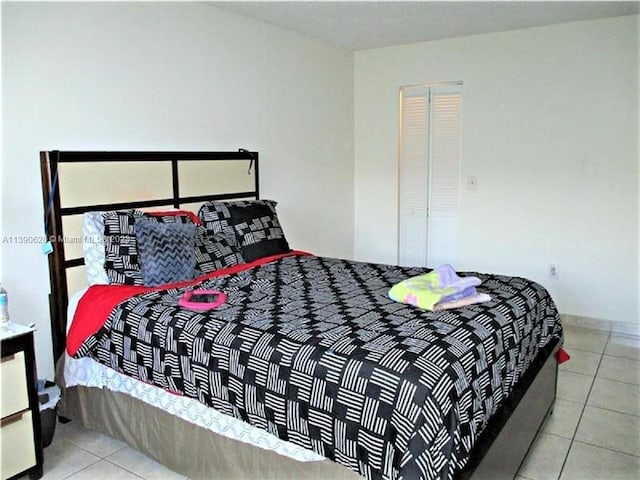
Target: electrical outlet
x=553, y=271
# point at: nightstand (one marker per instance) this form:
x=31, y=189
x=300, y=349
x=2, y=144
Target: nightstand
x=20, y=428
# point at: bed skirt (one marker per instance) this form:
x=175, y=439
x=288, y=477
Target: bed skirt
x=183, y=447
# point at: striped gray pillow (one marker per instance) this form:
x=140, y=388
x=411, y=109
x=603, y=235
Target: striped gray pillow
x=166, y=251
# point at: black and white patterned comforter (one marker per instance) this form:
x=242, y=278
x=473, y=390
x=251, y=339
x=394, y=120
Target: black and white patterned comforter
x=312, y=350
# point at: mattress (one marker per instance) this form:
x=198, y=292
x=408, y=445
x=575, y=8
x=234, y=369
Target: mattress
x=87, y=372
x=312, y=350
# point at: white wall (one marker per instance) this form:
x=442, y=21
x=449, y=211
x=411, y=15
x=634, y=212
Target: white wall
x=170, y=76
x=638, y=157
x=550, y=129
x=1, y=162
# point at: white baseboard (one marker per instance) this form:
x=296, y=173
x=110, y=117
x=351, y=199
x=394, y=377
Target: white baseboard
x=619, y=328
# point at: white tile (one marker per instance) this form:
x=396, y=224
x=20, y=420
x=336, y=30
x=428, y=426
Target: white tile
x=95, y=442
x=584, y=339
x=610, y=395
x=545, y=458
x=104, y=470
x=138, y=463
x=573, y=386
x=62, y=459
x=581, y=362
x=564, y=419
x=586, y=462
x=620, y=369
x=613, y=430
x=623, y=346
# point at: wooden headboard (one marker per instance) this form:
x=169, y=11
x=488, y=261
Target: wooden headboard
x=65, y=171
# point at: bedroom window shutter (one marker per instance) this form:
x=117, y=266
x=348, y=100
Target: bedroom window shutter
x=430, y=134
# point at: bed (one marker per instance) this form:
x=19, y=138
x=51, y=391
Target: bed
x=320, y=373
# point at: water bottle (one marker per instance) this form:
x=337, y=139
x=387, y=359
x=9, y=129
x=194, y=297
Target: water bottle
x=4, y=306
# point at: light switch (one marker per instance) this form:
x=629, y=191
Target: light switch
x=472, y=182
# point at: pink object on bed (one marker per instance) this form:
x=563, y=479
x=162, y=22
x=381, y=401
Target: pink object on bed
x=191, y=300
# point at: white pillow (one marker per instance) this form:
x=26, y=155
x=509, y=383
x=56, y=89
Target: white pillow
x=93, y=247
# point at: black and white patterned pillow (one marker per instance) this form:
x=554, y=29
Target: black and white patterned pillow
x=121, y=248
x=122, y=262
x=216, y=215
x=215, y=251
x=166, y=251
x=258, y=230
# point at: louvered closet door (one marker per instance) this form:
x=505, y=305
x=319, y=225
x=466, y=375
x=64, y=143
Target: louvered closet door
x=429, y=174
x=413, y=177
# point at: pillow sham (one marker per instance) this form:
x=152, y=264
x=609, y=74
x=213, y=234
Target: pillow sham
x=166, y=251
x=93, y=248
x=121, y=251
x=258, y=231
x=216, y=215
x=214, y=251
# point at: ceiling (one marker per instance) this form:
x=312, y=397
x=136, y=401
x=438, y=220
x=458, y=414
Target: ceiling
x=359, y=25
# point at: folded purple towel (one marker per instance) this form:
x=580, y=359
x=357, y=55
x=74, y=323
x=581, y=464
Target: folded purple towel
x=467, y=292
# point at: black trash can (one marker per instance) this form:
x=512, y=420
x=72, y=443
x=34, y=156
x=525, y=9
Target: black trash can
x=49, y=395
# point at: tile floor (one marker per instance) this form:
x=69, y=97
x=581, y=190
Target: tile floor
x=593, y=434
x=594, y=431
